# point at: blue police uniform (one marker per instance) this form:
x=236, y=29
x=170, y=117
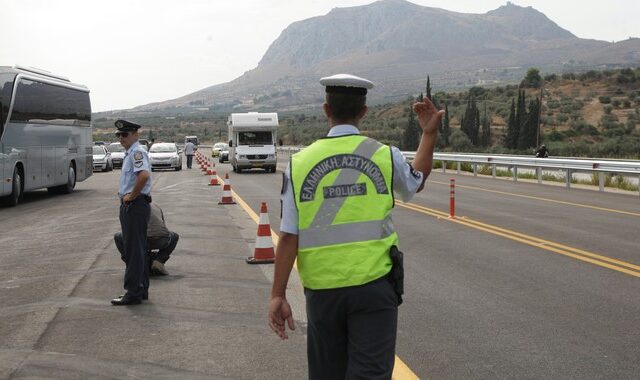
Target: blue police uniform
x=134, y=218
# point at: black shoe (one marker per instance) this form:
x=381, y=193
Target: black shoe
x=125, y=300
x=144, y=296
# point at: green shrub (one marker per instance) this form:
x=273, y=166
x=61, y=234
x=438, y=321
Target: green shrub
x=604, y=99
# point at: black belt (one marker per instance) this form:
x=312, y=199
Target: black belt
x=146, y=197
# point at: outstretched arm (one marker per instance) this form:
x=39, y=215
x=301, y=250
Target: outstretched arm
x=429, y=120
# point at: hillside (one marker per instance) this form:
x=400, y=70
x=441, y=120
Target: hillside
x=396, y=43
x=595, y=114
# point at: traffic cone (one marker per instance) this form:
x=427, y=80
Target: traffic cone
x=227, y=199
x=214, y=179
x=263, y=252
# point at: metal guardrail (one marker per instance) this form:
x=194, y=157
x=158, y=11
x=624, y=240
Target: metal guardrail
x=569, y=166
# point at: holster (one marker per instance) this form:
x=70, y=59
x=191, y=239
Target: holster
x=396, y=276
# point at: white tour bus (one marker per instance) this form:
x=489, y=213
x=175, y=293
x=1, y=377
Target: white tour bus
x=45, y=133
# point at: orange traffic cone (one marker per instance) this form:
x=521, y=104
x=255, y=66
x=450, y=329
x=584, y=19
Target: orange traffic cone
x=227, y=199
x=214, y=179
x=263, y=252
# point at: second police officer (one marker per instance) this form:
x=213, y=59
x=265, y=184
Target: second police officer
x=337, y=198
x=135, y=195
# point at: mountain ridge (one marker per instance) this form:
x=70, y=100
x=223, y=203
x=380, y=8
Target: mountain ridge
x=397, y=44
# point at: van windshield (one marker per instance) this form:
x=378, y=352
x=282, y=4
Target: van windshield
x=255, y=138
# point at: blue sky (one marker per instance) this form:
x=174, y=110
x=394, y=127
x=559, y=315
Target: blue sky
x=137, y=52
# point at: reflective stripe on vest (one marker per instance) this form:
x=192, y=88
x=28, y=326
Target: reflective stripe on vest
x=343, y=193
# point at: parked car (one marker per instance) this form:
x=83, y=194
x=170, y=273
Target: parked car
x=102, y=159
x=217, y=147
x=224, y=154
x=165, y=156
x=99, y=143
x=117, y=154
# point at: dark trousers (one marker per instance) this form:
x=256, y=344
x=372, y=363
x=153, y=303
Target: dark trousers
x=189, y=160
x=352, y=331
x=134, y=217
x=163, y=252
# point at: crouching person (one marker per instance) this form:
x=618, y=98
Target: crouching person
x=160, y=242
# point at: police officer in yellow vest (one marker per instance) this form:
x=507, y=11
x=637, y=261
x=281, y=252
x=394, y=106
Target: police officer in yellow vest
x=337, y=198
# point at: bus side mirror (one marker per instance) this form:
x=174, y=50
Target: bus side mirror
x=230, y=143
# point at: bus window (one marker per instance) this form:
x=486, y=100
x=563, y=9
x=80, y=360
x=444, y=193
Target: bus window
x=6, y=89
x=42, y=102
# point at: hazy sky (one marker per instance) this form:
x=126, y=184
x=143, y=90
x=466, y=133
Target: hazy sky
x=134, y=52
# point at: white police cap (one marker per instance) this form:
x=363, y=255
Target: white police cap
x=346, y=84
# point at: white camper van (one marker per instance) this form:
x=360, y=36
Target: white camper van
x=252, y=141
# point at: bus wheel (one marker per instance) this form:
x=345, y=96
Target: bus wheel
x=16, y=190
x=68, y=187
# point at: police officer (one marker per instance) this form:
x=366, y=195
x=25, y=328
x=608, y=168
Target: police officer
x=135, y=195
x=337, y=198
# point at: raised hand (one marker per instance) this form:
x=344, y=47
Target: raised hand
x=428, y=116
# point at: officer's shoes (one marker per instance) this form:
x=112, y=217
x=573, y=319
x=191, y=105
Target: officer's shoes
x=144, y=296
x=157, y=268
x=126, y=300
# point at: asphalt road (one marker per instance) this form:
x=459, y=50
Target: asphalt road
x=527, y=281
x=534, y=281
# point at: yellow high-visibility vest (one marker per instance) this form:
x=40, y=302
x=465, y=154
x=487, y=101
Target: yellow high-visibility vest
x=344, y=196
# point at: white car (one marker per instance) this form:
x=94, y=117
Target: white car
x=117, y=154
x=102, y=159
x=165, y=156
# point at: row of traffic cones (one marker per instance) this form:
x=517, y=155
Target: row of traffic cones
x=263, y=252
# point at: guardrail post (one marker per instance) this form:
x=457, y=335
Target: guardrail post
x=452, y=198
x=515, y=173
x=458, y=167
x=444, y=166
x=475, y=169
x=493, y=170
x=539, y=174
x=601, y=181
x=568, y=179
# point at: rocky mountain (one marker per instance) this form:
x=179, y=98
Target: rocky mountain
x=397, y=44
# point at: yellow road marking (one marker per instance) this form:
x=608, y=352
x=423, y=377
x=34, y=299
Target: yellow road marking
x=400, y=370
x=576, y=253
x=542, y=199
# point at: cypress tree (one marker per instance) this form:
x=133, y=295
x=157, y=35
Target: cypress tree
x=521, y=120
x=511, y=134
x=528, y=135
x=411, y=135
x=470, y=122
x=429, y=88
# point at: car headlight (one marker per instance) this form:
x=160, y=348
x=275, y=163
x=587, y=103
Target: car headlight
x=242, y=156
x=271, y=156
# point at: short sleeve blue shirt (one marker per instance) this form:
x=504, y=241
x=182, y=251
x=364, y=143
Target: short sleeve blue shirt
x=135, y=160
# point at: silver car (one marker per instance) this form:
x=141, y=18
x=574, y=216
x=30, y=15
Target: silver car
x=117, y=154
x=102, y=159
x=165, y=156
